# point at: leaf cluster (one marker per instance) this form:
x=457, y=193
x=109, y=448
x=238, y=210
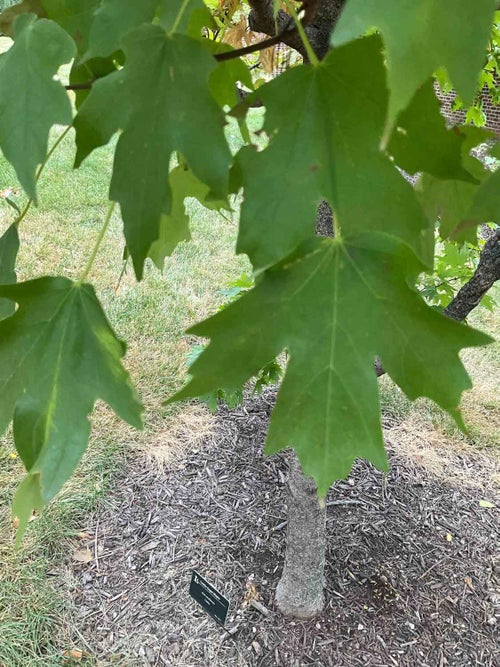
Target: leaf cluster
x=345, y=130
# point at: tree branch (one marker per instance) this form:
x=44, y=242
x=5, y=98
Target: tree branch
x=486, y=274
x=469, y=296
x=86, y=85
x=320, y=22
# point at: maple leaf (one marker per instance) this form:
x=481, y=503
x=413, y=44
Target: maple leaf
x=335, y=305
x=420, y=37
x=422, y=143
x=74, y=16
x=324, y=124
x=112, y=20
x=151, y=99
x=461, y=206
x=174, y=227
x=486, y=204
x=9, y=247
x=27, y=83
x=58, y=356
x=186, y=16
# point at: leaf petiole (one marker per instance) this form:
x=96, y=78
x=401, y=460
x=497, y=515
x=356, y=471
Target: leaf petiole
x=25, y=210
x=178, y=18
x=313, y=58
x=93, y=255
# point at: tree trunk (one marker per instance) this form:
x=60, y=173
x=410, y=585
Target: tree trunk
x=300, y=589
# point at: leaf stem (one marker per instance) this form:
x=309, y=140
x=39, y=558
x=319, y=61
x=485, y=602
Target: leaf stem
x=313, y=58
x=98, y=242
x=178, y=18
x=336, y=229
x=29, y=203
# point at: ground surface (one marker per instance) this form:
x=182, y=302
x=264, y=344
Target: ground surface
x=410, y=578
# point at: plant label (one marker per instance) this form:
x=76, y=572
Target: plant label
x=213, y=602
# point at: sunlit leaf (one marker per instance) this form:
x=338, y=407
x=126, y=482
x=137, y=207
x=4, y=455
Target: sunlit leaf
x=26, y=82
x=58, y=355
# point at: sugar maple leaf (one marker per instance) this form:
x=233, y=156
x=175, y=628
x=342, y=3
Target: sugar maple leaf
x=335, y=305
x=58, y=356
x=420, y=37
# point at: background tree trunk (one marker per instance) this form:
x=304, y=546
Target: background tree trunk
x=300, y=589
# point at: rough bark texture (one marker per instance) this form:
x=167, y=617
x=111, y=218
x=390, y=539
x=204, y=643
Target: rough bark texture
x=324, y=220
x=300, y=590
x=261, y=19
x=487, y=273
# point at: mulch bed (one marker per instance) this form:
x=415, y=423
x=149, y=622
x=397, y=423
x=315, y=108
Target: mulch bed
x=410, y=574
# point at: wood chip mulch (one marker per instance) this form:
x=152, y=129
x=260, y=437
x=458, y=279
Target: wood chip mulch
x=410, y=576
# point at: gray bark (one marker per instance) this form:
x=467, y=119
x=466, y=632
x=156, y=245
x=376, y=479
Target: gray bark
x=262, y=19
x=300, y=590
x=324, y=220
x=486, y=274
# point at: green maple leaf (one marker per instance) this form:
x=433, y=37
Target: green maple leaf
x=226, y=75
x=420, y=37
x=324, y=125
x=94, y=124
x=75, y=16
x=90, y=70
x=29, y=92
x=113, y=19
x=9, y=247
x=162, y=101
x=459, y=205
x=58, y=355
x=486, y=204
x=422, y=142
x=335, y=306
x=27, y=498
x=174, y=227
x=187, y=16
x=449, y=201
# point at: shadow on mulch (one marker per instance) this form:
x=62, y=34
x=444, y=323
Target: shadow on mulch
x=409, y=576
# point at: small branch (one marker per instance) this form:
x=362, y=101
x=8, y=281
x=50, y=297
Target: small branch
x=86, y=85
x=29, y=203
x=252, y=48
x=486, y=274
x=320, y=19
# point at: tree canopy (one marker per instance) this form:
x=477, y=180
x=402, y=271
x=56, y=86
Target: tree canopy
x=340, y=128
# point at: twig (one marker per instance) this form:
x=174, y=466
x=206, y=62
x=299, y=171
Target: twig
x=260, y=607
x=96, y=557
x=59, y=139
x=85, y=85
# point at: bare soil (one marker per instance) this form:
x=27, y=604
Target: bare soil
x=411, y=575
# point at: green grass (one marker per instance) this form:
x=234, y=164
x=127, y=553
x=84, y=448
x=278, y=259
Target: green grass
x=57, y=237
